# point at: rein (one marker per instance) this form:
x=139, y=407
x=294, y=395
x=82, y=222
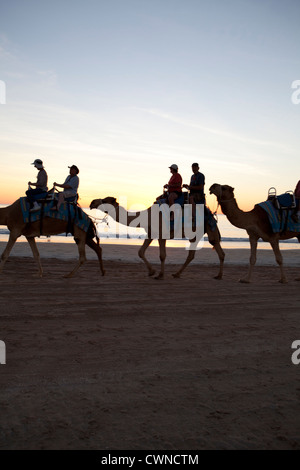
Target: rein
x=224, y=200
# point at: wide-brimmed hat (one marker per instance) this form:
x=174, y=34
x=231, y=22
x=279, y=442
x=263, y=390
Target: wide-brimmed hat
x=174, y=167
x=38, y=163
x=74, y=167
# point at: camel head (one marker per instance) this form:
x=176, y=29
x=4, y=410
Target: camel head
x=222, y=191
x=107, y=201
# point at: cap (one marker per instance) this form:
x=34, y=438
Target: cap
x=75, y=168
x=195, y=164
x=38, y=163
x=174, y=167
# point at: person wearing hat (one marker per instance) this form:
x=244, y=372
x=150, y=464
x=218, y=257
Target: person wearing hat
x=40, y=185
x=174, y=186
x=70, y=186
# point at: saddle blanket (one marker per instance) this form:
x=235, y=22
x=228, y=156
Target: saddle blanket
x=280, y=220
x=65, y=213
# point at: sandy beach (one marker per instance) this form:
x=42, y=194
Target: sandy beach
x=127, y=362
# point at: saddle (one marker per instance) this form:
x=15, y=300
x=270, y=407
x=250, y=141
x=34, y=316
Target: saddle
x=285, y=201
x=181, y=200
x=46, y=198
x=286, y=206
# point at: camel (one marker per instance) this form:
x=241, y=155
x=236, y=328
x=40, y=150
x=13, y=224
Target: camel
x=255, y=222
x=120, y=214
x=12, y=217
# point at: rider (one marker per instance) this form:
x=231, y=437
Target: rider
x=174, y=186
x=40, y=185
x=70, y=186
x=196, y=187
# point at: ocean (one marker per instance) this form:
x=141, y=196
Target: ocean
x=231, y=237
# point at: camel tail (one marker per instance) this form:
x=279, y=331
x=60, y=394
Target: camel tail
x=298, y=236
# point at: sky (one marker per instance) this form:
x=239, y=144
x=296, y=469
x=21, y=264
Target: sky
x=125, y=88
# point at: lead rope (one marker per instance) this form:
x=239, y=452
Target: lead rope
x=216, y=211
x=100, y=220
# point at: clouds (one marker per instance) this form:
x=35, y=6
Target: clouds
x=114, y=86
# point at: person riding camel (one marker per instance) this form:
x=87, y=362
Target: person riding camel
x=40, y=185
x=196, y=188
x=174, y=186
x=70, y=186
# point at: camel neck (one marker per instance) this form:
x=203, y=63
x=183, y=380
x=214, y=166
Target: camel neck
x=233, y=213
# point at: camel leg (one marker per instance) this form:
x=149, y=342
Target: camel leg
x=98, y=250
x=190, y=257
x=82, y=257
x=214, y=239
x=278, y=257
x=221, y=256
x=253, y=246
x=162, y=257
x=11, y=241
x=36, y=255
x=141, y=254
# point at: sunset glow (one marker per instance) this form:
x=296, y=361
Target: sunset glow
x=123, y=89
